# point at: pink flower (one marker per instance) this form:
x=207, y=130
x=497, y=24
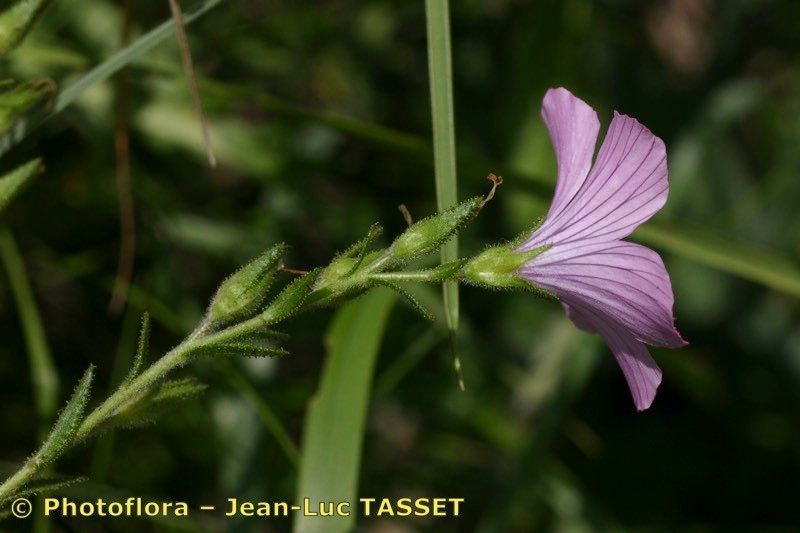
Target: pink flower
x=618, y=289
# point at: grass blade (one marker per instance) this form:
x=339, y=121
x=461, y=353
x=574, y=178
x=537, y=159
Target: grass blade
x=43, y=373
x=101, y=72
x=444, y=143
x=334, y=426
x=768, y=269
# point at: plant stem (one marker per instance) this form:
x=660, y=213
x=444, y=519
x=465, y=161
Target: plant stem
x=203, y=336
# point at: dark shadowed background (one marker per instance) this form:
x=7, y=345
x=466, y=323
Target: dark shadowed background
x=545, y=436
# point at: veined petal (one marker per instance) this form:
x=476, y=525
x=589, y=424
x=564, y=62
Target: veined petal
x=640, y=370
x=622, y=283
x=626, y=186
x=573, y=127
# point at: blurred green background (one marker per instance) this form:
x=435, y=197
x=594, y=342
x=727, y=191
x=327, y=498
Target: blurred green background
x=320, y=120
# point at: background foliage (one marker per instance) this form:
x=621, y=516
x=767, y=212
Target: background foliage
x=320, y=120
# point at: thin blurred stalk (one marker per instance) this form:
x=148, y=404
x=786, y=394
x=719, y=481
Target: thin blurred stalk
x=440, y=73
x=43, y=373
x=122, y=151
x=408, y=359
x=269, y=419
x=188, y=67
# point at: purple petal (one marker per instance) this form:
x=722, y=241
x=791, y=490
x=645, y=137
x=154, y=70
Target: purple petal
x=573, y=128
x=626, y=186
x=622, y=283
x=640, y=370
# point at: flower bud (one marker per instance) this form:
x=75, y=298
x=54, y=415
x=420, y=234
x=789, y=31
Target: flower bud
x=242, y=293
x=16, y=19
x=430, y=233
x=498, y=267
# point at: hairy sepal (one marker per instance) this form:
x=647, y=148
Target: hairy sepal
x=242, y=294
x=291, y=299
x=431, y=233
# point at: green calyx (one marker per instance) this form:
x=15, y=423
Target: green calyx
x=244, y=292
x=430, y=233
x=498, y=267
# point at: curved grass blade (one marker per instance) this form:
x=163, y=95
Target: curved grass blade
x=334, y=426
x=104, y=70
x=762, y=267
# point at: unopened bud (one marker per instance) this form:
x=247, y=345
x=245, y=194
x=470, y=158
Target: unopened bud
x=242, y=293
x=430, y=233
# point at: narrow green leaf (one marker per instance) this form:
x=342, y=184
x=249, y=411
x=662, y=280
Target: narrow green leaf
x=241, y=349
x=334, y=425
x=437, y=15
x=16, y=20
x=362, y=245
x=43, y=372
x=98, y=74
x=46, y=486
x=146, y=408
x=13, y=182
x=66, y=427
x=266, y=335
x=288, y=302
x=142, y=350
x=418, y=307
x=714, y=251
x=359, y=249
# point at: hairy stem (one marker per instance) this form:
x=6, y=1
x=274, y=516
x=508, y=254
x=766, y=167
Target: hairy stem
x=202, y=337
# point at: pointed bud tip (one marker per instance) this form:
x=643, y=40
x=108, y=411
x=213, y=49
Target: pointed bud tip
x=430, y=233
x=246, y=289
